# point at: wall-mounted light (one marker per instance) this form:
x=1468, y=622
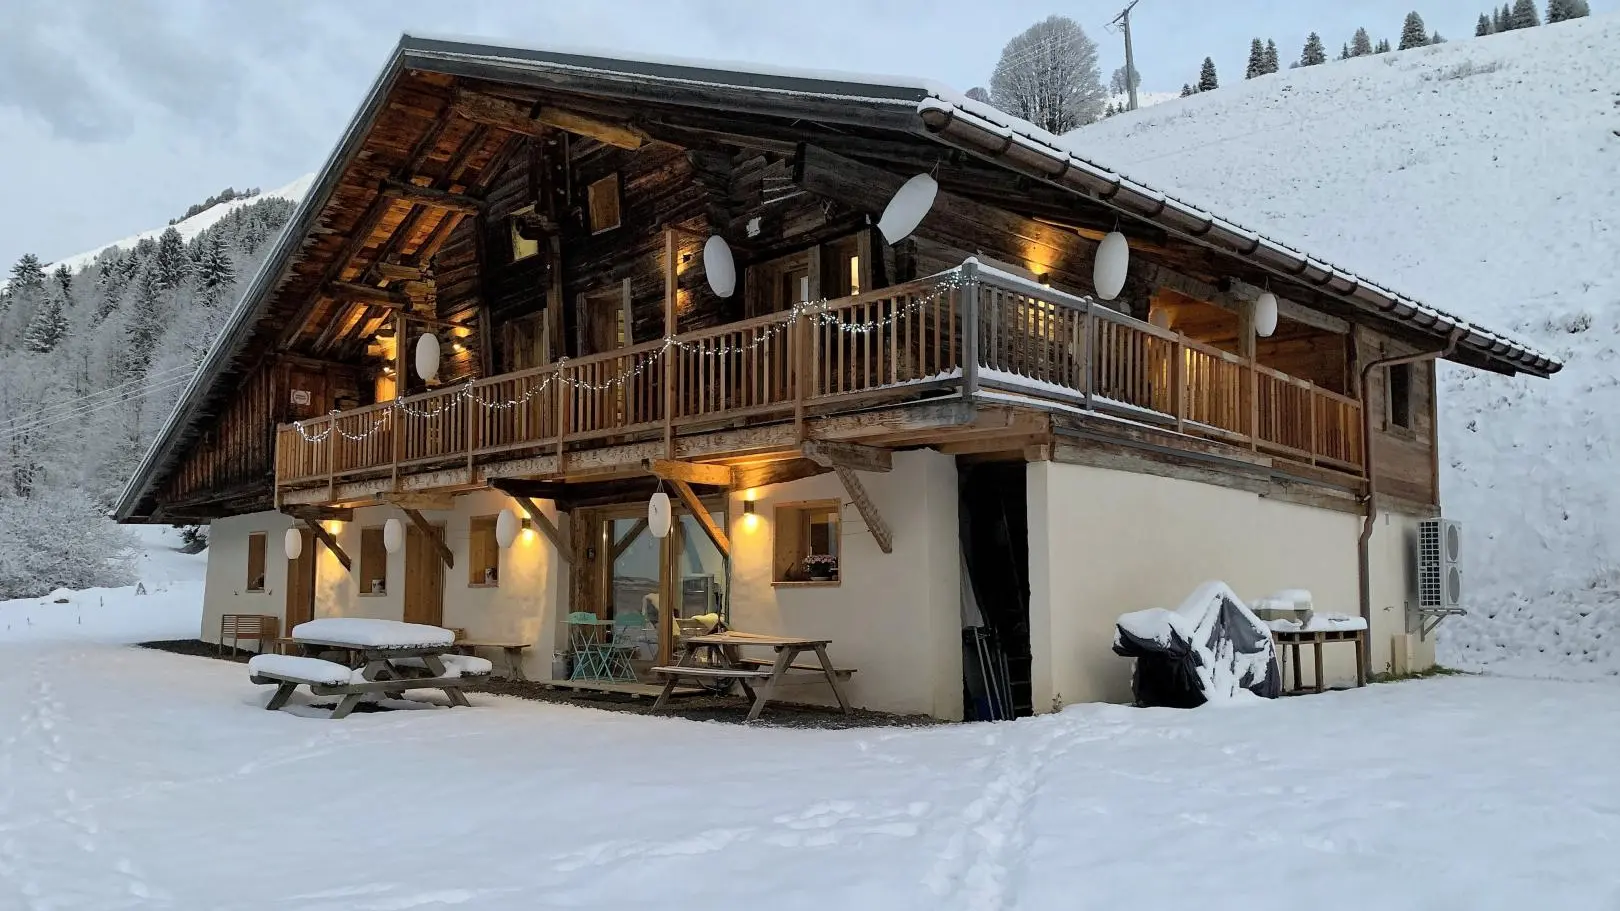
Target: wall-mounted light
x=748, y=507
x=750, y=518
x=333, y=526
x=527, y=534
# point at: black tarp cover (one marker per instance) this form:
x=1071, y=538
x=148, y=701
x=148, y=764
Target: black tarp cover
x=1208, y=648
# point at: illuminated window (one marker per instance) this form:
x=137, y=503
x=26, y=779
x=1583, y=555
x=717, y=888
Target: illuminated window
x=373, y=562
x=807, y=541
x=522, y=247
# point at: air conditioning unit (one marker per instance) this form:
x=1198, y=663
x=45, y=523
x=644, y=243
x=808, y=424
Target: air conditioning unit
x=1439, y=572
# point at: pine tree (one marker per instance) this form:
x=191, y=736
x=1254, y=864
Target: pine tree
x=1314, y=54
x=212, y=269
x=1507, y=18
x=171, y=261
x=1484, y=26
x=1208, y=81
x=1257, y=60
x=64, y=278
x=1383, y=46
x=1361, y=44
x=1565, y=10
x=1414, y=33
x=1272, y=63
x=1524, y=14
x=1187, y=90
x=1344, y=54
x=1437, y=38
x=49, y=326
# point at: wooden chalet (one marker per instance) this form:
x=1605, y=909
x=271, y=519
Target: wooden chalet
x=544, y=216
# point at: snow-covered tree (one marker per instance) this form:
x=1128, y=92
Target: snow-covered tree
x=1271, y=62
x=49, y=325
x=1361, y=45
x=1382, y=47
x=1208, y=80
x=61, y=538
x=1344, y=53
x=171, y=263
x=1485, y=27
x=1565, y=10
x=1257, y=60
x=1049, y=75
x=1187, y=89
x=1524, y=14
x=1414, y=33
x=1314, y=54
x=1507, y=18
x=1120, y=83
x=1437, y=38
x=979, y=93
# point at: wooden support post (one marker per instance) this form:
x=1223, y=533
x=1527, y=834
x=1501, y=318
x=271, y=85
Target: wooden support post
x=701, y=513
x=547, y=528
x=1178, y=382
x=690, y=472
x=779, y=472
x=331, y=543
x=671, y=295
x=968, y=294
x=868, y=510
x=432, y=534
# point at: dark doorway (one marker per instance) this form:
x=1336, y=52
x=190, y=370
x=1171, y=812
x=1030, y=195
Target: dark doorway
x=301, y=583
x=993, y=514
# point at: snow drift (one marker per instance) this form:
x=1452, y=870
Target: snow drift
x=1482, y=177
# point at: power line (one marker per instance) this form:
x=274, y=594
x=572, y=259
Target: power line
x=80, y=413
x=117, y=390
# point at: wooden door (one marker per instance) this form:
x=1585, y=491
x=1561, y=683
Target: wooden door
x=301, y=584
x=424, y=578
x=605, y=323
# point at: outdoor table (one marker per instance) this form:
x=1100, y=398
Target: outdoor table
x=383, y=667
x=1316, y=638
x=720, y=649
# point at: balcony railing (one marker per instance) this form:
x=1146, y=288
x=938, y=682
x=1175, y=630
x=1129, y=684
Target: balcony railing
x=966, y=331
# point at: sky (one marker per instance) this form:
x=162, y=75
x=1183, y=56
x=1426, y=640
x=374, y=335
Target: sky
x=115, y=116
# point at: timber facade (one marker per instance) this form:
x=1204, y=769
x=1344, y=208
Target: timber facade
x=544, y=217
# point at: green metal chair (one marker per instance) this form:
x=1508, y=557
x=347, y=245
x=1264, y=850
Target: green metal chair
x=590, y=661
x=617, y=654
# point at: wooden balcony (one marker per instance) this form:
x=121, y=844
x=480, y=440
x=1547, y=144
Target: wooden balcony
x=971, y=333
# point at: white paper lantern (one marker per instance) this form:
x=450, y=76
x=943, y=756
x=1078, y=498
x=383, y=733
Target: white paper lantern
x=719, y=267
x=293, y=543
x=506, y=528
x=907, y=208
x=1113, y=262
x=659, y=514
x=427, y=357
x=393, y=536
x=1265, y=315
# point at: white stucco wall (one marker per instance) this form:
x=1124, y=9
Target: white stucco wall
x=893, y=617
x=1392, y=562
x=1105, y=542
x=522, y=608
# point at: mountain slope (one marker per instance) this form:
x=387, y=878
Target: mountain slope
x=189, y=228
x=1480, y=176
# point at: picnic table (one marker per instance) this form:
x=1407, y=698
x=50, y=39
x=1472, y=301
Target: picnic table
x=393, y=657
x=717, y=657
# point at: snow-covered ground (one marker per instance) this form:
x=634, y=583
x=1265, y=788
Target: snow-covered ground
x=1481, y=176
x=140, y=779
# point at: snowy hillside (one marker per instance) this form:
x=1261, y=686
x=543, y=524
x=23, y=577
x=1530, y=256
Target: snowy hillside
x=189, y=228
x=1482, y=176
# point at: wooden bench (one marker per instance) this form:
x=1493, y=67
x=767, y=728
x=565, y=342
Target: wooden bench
x=263, y=629
x=512, y=650
x=328, y=678
x=842, y=673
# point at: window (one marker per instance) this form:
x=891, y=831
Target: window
x=373, y=562
x=255, y=573
x=776, y=285
x=483, y=553
x=524, y=342
x=842, y=268
x=522, y=247
x=807, y=542
x=1399, y=386
x=602, y=196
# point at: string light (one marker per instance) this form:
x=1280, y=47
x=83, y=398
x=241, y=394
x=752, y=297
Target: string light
x=819, y=313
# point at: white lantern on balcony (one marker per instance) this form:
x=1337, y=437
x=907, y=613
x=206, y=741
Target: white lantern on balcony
x=660, y=514
x=1113, y=263
x=908, y=207
x=293, y=543
x=393, y=536
x=506, y=528
x=427, y=357
x=719, y=267
x=1265, y=315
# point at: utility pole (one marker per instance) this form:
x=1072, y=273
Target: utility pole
x=1123, y=20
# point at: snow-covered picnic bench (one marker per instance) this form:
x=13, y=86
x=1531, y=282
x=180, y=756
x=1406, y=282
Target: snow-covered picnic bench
x=393, y=657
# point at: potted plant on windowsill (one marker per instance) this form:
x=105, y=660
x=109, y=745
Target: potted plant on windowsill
x=821, y=567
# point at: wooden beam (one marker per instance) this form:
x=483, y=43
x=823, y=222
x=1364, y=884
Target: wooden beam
x=518, y=118
x=436, y=502
x=331, y=543
x=690, y=472
x=868, y=509
x=369, y=294
x=396, y=272
x=847, y=455
x=428, y=196
x=701, y=513
x=627, y=539
x=320, y=513
x=432, y=534
x=778, y=472
x=547, y=528
x=522, y=487
x=352, y=245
